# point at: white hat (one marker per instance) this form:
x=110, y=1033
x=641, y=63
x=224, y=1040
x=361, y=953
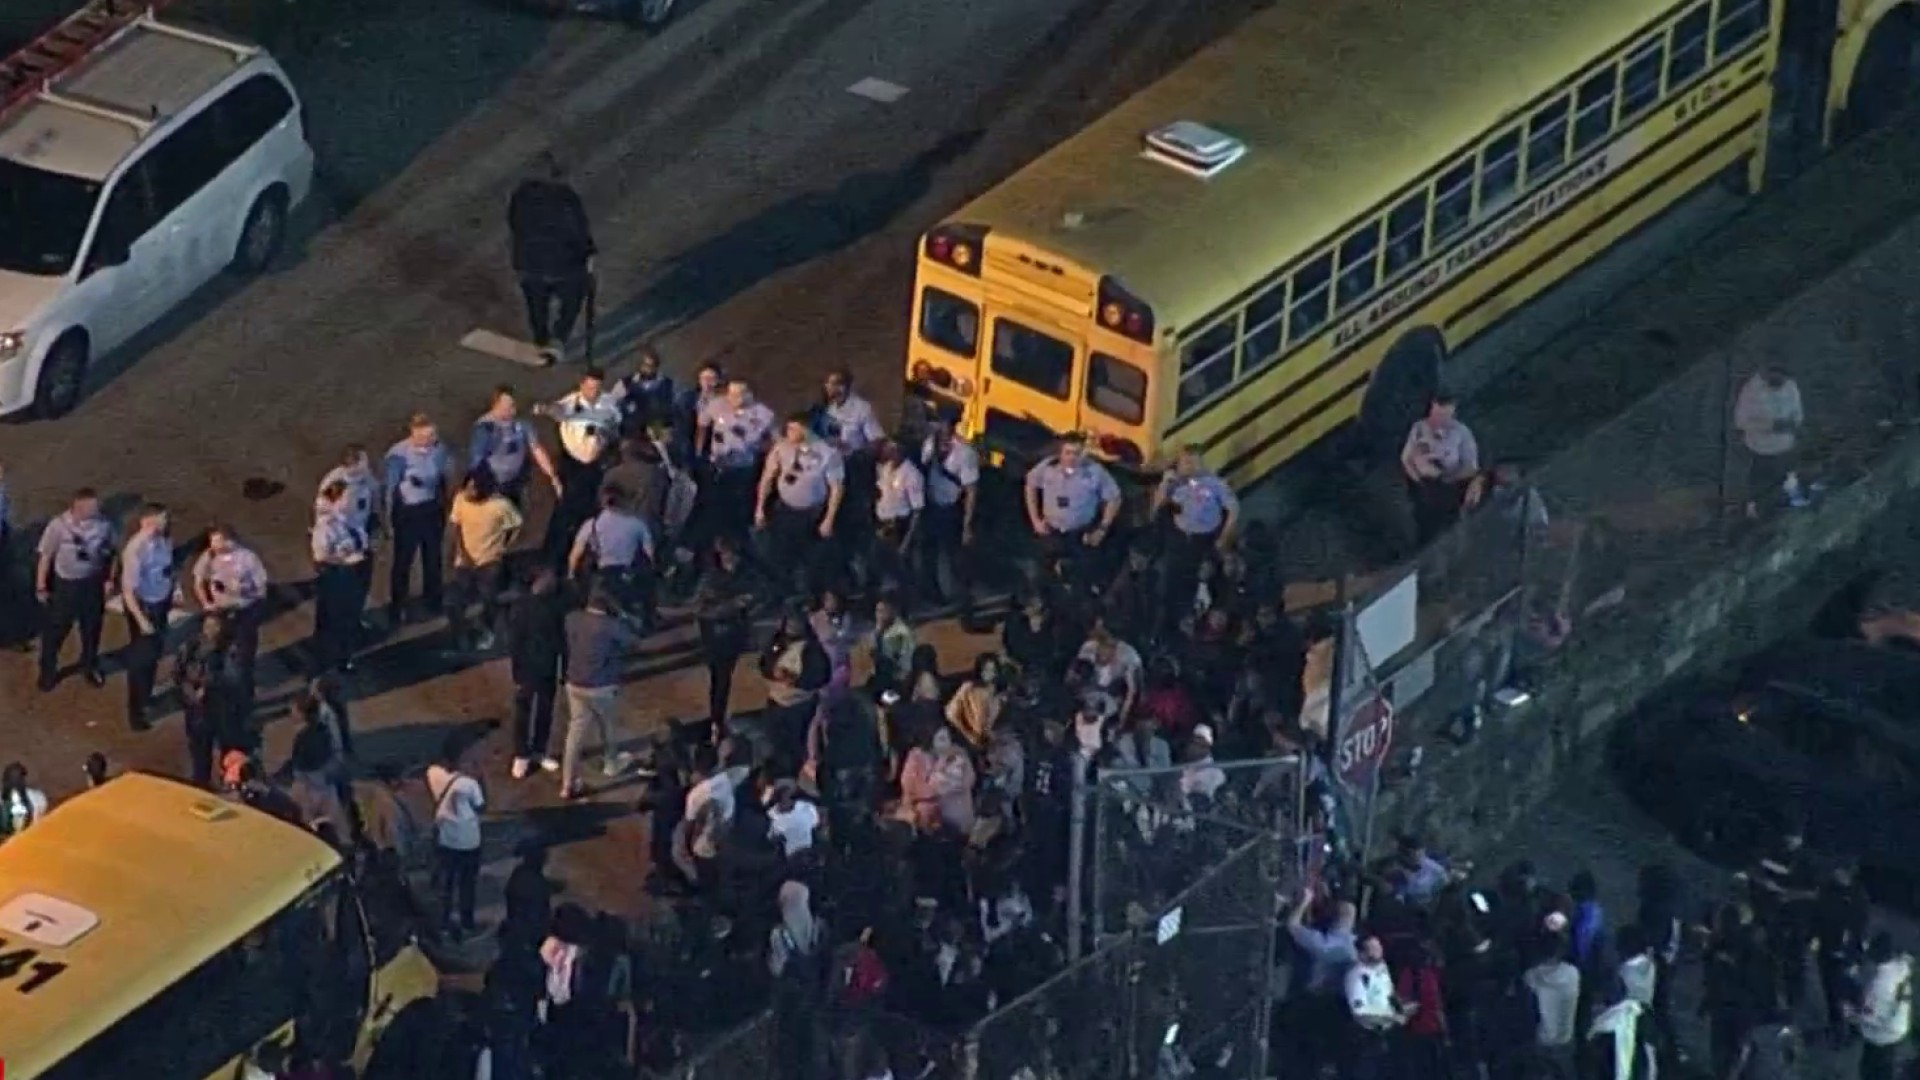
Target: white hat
x=1204, y=733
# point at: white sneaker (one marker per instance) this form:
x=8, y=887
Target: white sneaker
x=520, y=768
x=617, y=764
x=548, y=764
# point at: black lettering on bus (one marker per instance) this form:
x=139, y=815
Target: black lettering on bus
x=26, y=967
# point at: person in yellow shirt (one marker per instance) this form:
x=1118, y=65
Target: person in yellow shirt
x=486, y=525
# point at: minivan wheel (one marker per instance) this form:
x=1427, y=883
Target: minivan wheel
x=264, y=232
x=63, y=376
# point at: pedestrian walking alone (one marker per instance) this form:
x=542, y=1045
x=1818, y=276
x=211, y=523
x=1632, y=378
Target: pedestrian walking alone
x=552, y=254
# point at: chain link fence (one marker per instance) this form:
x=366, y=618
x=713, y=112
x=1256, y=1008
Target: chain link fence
x=1158, y=831
x=1192, y=981
x=748, y=1052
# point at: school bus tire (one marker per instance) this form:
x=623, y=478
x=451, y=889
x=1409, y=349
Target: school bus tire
x=1886, y=79
x=1399, y=392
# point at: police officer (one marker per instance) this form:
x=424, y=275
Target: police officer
x=1072, y=502
x=735, y=430
x=589, y=424
x=900, y=496
x=504, y=443
x=645, y=394
x=361, y=503
x=847, y=422
x=419, y=479
x=339, y=547
x=71, y=581
x=1201, y=511
x=231, y=581
x=709, y=385
x=952, y=470
x=146, y=595
x=614, y=551
x=809, y=477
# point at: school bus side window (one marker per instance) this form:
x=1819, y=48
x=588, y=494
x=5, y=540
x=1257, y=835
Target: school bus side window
x=1310, y=302
x=1266, y=326
x=949, y=322
x=1359, y=265
x=1687, y=54
x=1116, y=388
x=1546, y=140
x=1640, y=79
x=1452, y=201
x=1206, y=364
x=1499, y=173
x=1593, y=109
x=1740, y=22
x=217, y=1012
x=1406, y=234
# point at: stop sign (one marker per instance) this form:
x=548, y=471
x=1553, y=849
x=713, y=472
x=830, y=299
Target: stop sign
x=1364, y=740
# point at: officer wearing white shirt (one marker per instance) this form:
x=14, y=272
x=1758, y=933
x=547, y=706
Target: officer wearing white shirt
x=848, y=423
x=900, y=496
x=71, y=580
x=589, y=421
x=1375, y=1010
x=230, y=581
x=799, y=496
x=504, y=443
x=146, y=595
x=1072, y=501
x=419, y=481
x=735, y=430
x=1441, y=459
x=339, y=547
x=951, y=468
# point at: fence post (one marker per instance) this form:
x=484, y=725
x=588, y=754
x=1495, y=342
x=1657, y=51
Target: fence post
x=1076, y=865
x=1097, y=793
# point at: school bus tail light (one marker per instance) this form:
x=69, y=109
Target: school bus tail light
x=1125, y=314
x=1123, y=450
x=957, y=246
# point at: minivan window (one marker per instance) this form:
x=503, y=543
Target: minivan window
x=252, y=109
x=46, y=214
x=186, y=161
x=128, y=214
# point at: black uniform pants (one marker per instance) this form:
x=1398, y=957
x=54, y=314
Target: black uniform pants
x=888, y=559
x=721, y=646
x=72, y=602
x=726, y=504
x=338, y=599
x=533, y=716
x=418, y=533
x=794, y=546
x=943, y=546
x=553, y=304
x=143, y=658
x=1436, y=508
x=202, y=736
x=1069, y=557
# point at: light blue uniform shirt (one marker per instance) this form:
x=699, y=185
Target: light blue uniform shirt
x=80, y=549
x=1201, y=502
x=805, y=473
x=501, y=447
x=850, y=424
x=736, y=435
x=949, y=475
x=1070, y=499
x=146, y=569
x=236, y=577
x=359, y=502
x=337, y=540
x=901, y=491
x=616, y=540
x=417, y=475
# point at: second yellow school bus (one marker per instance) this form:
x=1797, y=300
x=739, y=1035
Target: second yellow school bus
x=1299, y=226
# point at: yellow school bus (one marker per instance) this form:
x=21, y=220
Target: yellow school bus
x=149, y=929
x=1305, y=225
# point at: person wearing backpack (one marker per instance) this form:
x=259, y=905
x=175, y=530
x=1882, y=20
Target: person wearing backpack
x=458, y=799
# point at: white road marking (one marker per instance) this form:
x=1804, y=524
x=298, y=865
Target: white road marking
x=880, y=90
x=502, y=347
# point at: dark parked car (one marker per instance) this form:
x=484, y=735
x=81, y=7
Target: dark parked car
x=648, y=13
x=1825, y=731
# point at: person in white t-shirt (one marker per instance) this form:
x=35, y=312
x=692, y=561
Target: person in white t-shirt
x=458, y=800
x=792, y=822
x=20, y=804
x=1117, y=667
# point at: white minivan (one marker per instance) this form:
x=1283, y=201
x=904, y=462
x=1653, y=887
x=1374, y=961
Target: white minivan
x=165, y=156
